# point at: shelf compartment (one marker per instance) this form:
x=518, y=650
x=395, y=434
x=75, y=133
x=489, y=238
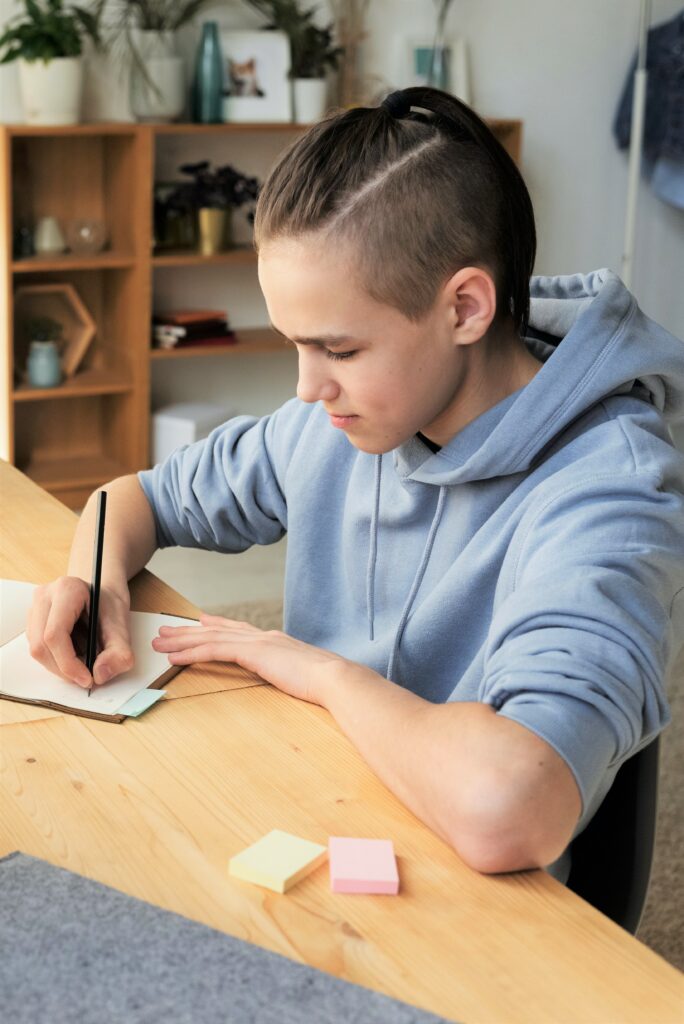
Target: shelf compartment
x=115, y=361
x=93, y=381
x=72, y=176
x=251, y=341
x=69, y=448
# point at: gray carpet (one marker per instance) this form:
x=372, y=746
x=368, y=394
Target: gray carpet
x=660, y=927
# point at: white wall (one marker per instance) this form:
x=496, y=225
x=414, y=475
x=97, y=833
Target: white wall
x=560, y=67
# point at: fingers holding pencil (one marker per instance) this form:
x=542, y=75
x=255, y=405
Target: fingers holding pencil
x=52, y=627
x=57, y=632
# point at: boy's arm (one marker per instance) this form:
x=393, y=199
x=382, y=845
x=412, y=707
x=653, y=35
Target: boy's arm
x=130, y=535
x=494, y=790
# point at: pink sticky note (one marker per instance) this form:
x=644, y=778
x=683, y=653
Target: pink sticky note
x=362, y=865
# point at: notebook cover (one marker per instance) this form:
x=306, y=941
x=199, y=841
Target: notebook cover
x=158, y=684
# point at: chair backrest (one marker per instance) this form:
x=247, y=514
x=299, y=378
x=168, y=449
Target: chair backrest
x=612, y=857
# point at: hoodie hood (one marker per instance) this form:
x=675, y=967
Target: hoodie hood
x=594, y=342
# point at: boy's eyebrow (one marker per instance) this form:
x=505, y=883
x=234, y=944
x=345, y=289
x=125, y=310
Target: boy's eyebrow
x=322, y=339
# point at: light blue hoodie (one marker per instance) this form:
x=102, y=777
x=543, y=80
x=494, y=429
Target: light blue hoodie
x=535, y=563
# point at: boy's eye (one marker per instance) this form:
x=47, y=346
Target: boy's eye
x=340, y=355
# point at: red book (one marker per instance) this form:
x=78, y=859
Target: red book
x=184, y=317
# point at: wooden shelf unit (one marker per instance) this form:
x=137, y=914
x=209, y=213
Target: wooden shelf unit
x=94, y=426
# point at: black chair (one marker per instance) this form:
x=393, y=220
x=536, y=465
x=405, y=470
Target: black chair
x=612, y=857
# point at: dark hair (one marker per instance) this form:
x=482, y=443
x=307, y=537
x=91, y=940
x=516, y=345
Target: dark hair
x=420, y=196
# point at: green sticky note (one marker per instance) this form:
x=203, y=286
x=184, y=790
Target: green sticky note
x=140, y=702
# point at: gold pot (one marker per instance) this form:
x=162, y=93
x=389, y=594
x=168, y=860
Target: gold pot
x=213, y=230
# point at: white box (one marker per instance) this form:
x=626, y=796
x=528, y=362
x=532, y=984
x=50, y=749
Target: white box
x=183, y=423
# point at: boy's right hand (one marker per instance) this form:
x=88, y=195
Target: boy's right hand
x=59, y=614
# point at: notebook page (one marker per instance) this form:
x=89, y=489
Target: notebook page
x=15, y=601
x=22, y=676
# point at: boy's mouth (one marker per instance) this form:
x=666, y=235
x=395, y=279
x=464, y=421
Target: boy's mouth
x=341, y=421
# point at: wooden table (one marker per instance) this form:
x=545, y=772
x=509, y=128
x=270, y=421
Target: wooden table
x=155, y=807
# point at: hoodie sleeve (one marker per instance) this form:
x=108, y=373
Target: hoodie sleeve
x=227, y=492
x=578, y=650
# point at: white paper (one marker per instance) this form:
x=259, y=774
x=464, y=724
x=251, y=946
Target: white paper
x=22, y=676
x=15, y=601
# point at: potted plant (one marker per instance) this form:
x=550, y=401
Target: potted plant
x=312, y=51
x=147, y=28
x=47, y=42
x=210, y=197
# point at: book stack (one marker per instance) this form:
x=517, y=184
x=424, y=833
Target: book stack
x=184, y=328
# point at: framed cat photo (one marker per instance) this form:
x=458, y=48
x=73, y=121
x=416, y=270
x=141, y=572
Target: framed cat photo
x=256, y=66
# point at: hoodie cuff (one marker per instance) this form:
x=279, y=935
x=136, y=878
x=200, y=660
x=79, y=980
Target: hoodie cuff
x=575, y=730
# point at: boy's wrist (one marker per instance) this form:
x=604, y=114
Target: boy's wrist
x=118, y=588
x=341, y=678
x=115, y=583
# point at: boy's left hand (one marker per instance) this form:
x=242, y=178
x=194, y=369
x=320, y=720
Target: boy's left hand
x=295, y=667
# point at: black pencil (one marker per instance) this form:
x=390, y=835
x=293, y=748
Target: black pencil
x=91, y=652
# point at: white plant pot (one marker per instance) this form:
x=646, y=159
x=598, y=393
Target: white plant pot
x=310, y=97
x=51, y=92
x=160, y=97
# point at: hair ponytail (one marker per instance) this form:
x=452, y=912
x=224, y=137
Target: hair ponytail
x=422, y=186
x=459, y=120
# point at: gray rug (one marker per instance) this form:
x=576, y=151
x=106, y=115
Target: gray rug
x=77, y=952
x=660, y=927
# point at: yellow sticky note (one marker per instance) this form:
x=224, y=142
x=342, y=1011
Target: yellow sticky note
x=278, y=860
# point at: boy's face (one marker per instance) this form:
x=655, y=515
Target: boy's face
x=386, y=377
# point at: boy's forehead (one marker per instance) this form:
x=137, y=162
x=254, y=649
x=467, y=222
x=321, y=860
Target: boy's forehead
x=313, y=301
x=305, y=266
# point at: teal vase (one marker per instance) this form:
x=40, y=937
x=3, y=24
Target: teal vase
x=207, y=91
x=43, y=365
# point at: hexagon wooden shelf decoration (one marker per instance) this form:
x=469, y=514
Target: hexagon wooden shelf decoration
x=60, y=302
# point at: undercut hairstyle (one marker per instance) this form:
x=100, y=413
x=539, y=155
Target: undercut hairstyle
x=418, y=196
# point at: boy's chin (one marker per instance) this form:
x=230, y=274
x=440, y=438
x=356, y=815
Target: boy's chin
x=373, y=447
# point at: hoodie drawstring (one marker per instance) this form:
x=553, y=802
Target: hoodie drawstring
x=417, y=580
x=373, y=550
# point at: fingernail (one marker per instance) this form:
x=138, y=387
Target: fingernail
x=103, y=674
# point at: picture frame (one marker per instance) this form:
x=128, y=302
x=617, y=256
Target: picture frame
x=256, y=83
x=415, y=61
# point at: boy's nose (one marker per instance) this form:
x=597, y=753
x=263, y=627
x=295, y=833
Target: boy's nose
x=314, y=383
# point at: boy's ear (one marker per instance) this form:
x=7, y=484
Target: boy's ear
x=471, y=298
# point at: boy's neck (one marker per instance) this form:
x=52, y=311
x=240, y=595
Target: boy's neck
x=497, y=368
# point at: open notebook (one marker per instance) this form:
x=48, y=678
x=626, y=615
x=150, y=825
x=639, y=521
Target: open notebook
x=22, y=678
